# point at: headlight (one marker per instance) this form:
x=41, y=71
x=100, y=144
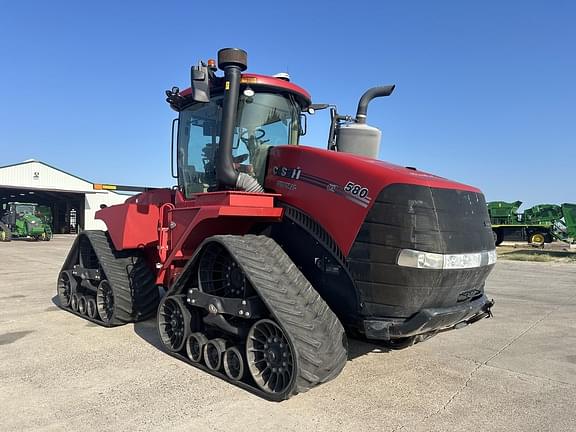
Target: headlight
x=414, y=258
x=429, y=260
x=492, y=257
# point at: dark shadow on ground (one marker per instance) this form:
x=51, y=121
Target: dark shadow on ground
x=359, y=347
x=8, y=338
x=147, y=331
x=56, y=301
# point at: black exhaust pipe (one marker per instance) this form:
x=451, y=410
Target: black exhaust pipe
x=232, y=61
x=370, y=94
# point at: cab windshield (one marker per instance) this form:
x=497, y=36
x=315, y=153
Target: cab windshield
x=263, y=120
x=25, y=209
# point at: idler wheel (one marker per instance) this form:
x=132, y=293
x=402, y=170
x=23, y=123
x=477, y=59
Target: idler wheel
x=173, y=323
x=105, y=301
x=66, y=284
x=233, y=364
x=219, y=273
x=270, y=357
x=213, y=351
x=195, y=346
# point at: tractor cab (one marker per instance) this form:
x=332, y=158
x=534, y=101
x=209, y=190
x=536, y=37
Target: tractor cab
x=251, y=112
x=264, y=119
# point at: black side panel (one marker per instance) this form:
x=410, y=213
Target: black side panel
x=425, y=219
x=320, y=260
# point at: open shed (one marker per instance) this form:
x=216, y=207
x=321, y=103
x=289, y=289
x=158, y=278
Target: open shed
x=72, y=200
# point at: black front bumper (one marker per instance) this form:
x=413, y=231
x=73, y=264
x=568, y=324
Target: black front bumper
x=429, y=320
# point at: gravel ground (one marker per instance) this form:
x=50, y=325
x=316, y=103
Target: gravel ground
x=515, y=372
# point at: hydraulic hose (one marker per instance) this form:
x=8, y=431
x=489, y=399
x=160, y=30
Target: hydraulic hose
x=248, y=183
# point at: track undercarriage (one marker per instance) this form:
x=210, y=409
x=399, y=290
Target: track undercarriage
x=105, y=286
x=240, y=310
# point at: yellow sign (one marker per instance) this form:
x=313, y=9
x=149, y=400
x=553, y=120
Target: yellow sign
x=98, y=186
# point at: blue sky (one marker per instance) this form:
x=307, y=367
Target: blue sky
x=486, y=91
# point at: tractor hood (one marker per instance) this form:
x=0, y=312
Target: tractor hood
x=331, y=187
x=33, y=219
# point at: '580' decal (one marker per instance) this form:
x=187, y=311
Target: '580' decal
x=356, y=189
x=352, y=191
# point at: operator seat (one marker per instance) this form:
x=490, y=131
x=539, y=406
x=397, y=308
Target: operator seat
x=259, y=158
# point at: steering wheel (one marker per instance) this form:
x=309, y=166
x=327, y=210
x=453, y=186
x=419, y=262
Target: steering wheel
x=258, y=135
x=241, y=158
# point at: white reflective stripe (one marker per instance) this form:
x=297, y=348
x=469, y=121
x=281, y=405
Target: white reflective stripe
x=429, y=260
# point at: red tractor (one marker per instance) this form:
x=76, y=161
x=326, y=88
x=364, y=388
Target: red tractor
x=270, y=253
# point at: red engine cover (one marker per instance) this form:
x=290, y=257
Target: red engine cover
x=338, y=189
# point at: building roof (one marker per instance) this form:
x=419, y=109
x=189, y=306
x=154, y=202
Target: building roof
x=27, y=161
x=34, y=174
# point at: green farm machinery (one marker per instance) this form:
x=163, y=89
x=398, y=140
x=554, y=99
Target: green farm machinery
x=539, y=224
x=25, y=220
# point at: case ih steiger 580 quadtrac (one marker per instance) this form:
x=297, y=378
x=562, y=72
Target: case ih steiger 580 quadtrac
x=268, y=250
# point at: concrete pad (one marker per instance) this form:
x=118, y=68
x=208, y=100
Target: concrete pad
x=515, y=372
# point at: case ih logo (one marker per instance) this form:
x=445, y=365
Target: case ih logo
x=354, y=192
x=467, y=295
x=291, y=173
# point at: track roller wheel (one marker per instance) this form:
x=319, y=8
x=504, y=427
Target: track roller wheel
x=233, y=364
x=195, y=346
x=82, y=305
x=173, y=323
x=270, y=357
x=74, y=302
x=66, y=284
x=213, y=351
x=537, y=239
x=91, y=309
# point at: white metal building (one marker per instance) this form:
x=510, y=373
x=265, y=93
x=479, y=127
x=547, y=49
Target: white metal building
x=73, y=200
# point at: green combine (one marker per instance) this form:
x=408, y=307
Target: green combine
x=25, y=220
x=538, y=225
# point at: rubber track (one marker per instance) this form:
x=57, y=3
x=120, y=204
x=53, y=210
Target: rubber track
x=135, y=292
x=315, y=332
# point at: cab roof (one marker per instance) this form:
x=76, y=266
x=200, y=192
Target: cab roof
x=268, y=81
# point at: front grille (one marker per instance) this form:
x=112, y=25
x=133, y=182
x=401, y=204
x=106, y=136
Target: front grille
x=426, y=219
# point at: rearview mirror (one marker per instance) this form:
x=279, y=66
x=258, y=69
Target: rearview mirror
x=200, y=83
x=303, y=124
x=316, y=107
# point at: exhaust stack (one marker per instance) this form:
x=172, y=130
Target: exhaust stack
x=368, y=95
x=232, y=61
x=356, y=137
